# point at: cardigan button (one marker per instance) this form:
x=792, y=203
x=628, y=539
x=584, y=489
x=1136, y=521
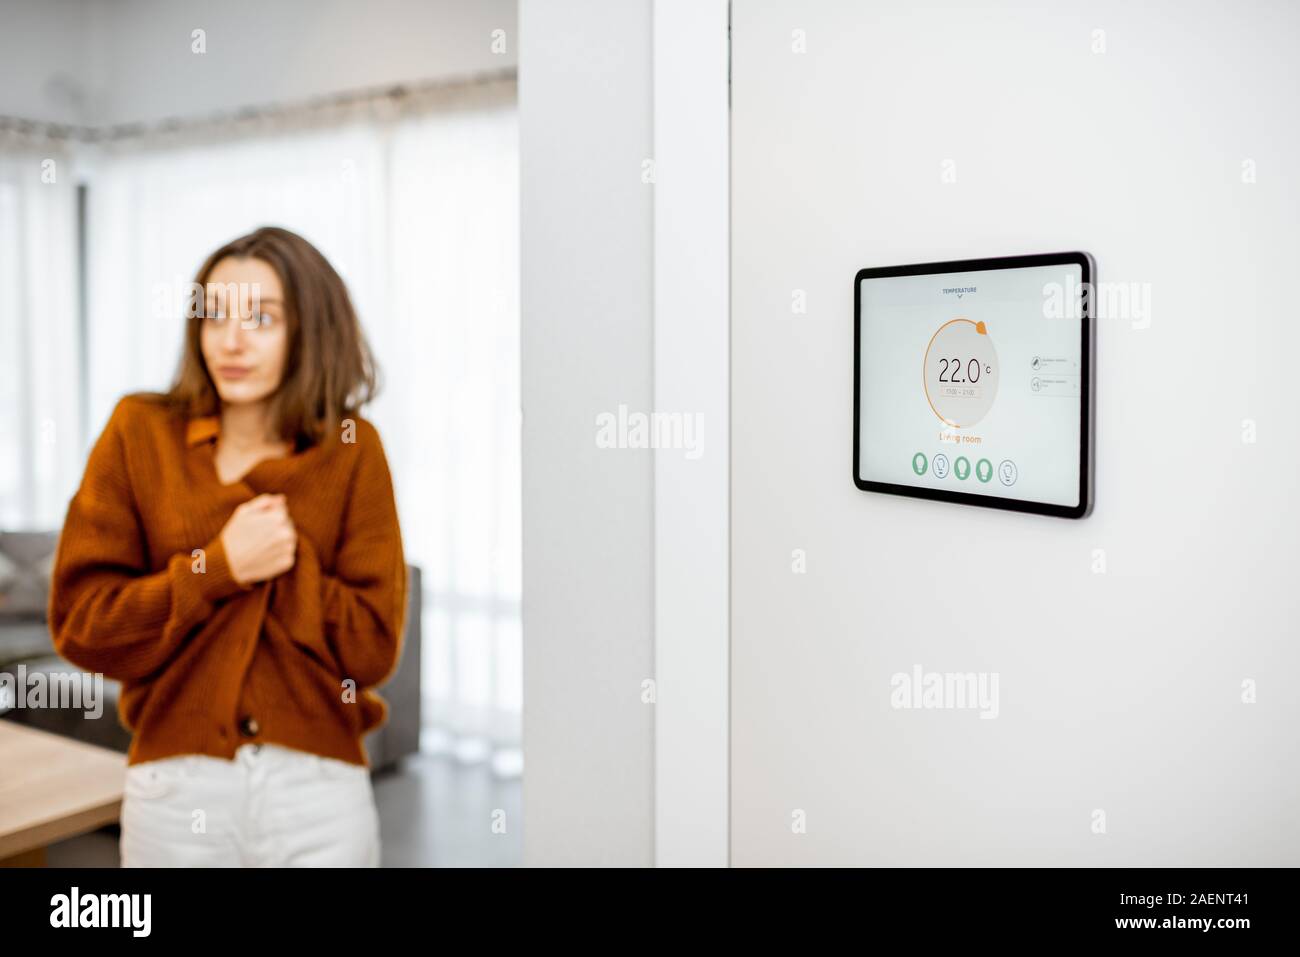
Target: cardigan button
x=249, y=727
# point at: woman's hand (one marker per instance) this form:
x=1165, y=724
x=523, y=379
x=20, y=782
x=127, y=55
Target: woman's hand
x=260, y=539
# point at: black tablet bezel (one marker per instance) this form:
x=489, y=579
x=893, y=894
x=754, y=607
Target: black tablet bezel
x=1086, y=405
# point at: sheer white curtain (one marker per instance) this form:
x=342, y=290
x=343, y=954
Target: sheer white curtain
x=40, y=430
x=419, y=214
x=455, y=261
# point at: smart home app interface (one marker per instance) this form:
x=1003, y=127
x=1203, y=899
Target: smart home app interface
x=971, y=382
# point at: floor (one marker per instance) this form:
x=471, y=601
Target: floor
x=434, y=811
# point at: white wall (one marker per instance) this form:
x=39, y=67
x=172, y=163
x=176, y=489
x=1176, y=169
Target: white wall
x=44, y=59
x=587, y=341
x=1119, y=691
x=691, y=356
x=99, y=64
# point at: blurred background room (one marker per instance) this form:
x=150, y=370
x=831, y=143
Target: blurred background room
x=136, y=136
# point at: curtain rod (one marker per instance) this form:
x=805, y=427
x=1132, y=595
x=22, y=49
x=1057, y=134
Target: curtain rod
x=394, y=97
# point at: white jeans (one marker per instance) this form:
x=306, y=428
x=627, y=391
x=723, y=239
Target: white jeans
x=270, y=807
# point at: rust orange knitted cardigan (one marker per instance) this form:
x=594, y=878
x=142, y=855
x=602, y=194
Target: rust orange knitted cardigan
x=142, y=593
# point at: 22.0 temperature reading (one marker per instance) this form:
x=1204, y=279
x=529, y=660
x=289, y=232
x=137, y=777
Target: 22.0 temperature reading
x=951, y=370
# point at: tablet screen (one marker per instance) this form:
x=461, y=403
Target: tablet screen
x=973, y=383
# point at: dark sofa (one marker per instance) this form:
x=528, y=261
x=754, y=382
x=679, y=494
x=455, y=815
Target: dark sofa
x=26, y=559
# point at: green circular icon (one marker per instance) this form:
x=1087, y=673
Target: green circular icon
x=961, y=467
x=919, y=463
x=983, y=470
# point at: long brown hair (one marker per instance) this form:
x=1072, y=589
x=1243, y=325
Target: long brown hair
x=329, y=372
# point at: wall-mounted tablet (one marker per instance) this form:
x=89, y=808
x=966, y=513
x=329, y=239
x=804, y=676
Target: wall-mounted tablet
x=973, y=382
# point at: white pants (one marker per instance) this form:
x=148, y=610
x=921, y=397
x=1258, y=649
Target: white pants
x=270, y=807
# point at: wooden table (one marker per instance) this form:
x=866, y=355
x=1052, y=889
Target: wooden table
x=52, y=788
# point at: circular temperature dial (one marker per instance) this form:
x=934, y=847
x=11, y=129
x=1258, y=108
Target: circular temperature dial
x=961, y=372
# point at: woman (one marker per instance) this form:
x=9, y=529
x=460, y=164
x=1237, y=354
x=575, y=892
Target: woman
x=233, y=557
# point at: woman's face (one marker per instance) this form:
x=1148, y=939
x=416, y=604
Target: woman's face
x=244, y=334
